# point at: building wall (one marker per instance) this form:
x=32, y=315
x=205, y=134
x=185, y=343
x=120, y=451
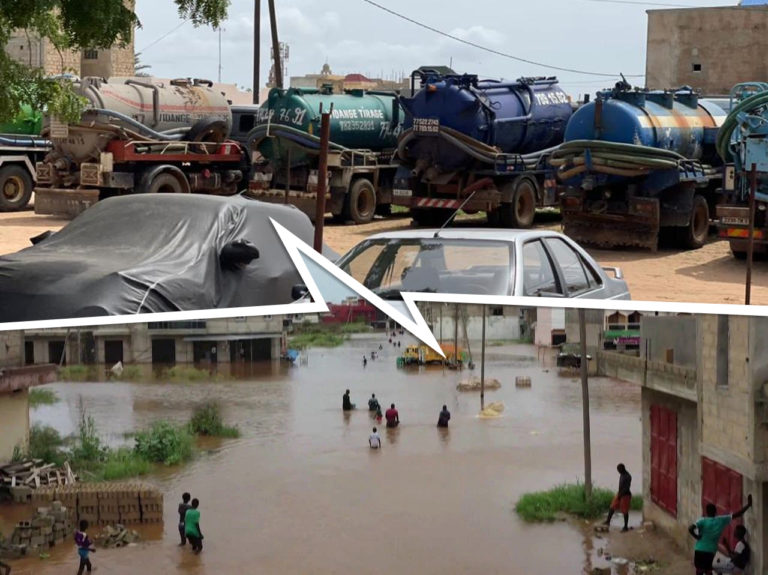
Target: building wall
x=547, y=320
x=14, y=415
x=11, y=349
x=729, y=43
x=659, y=334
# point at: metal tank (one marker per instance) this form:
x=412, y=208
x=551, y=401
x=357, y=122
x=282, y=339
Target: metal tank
x=677, y=121
x=521, y=117
x=359, y=120
x=161, y=106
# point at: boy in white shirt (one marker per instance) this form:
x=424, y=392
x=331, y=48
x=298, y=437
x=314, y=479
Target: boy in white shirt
x=374, y=440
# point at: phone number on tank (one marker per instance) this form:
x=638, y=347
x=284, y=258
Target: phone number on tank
x=357, y=125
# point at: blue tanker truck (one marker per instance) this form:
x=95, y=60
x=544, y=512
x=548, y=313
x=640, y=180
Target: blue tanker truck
x=489, y=139
x=363, y=136
x=638, y=163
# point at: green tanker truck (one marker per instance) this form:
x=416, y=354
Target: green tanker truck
x=20, y=148
x=363, y=138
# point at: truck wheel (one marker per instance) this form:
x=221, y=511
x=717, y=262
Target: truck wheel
x=695, y=233
x=164, y=184
x=519, y=213
x=738, y=254
x=15, y=188
x=361, y=202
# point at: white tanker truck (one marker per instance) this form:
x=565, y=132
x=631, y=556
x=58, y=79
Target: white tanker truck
x=139, y=135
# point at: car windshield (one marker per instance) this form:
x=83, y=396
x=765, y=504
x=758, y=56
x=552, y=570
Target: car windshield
x=389, y=266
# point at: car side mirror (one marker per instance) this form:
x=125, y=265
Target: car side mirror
x=238, y=254
x=41, y=237
x=299, y=291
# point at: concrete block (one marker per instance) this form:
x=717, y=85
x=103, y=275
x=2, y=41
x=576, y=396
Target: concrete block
x=56, y=506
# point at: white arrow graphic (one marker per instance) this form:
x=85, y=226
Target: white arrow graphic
x=296, y=248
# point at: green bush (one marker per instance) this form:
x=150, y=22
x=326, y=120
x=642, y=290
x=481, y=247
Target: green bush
x=41, y=396
x=187, y=373
x=89, y=447
x=164, y=443
x=355, y=327
x=45, y=443
x=567, y=498
x=123, y=462
x=317, y=339
x=129, y=373
x=206, y=420
x=77, y=373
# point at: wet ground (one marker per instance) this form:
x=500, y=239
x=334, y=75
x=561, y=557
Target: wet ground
x=301, y=492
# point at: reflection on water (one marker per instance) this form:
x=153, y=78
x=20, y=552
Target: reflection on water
x=301, y=492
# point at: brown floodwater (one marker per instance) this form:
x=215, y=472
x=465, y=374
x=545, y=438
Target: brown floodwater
x=301, y=492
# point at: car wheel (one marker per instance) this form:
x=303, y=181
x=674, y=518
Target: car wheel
x=361, y=202
x=695, y=233
x=519, y=213
x=15, y=188
x=165, y=184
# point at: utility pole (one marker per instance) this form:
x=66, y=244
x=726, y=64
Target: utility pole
x=482, y=366
x=751, y=239
x=322, y=176
x=219, y=54
x=277, y=60
x=585, y=405
x=256, y=49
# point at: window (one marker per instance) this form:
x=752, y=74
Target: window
x=723, y=337
x=246, y=123
x=192, y=324
x=29, y=352
x=497, y=311
x=571, y=265
x=113, y=351
x=91, y=54
x=664, y=458
x=538, y=275
x=697, y=67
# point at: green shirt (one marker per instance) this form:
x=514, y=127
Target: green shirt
x=191, y=519
x=710, y=529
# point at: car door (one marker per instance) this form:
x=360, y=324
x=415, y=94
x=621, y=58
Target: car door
x=539, y=277
x=576, y=274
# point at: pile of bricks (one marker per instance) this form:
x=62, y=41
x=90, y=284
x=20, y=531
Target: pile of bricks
x=106, y=503
x=50, y=526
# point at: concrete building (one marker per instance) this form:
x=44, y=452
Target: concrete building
x=705, y=420
x=549, y=329
x=710, y=49
x=339, y=83
x=501, y=322
x=34, y=51
x=15, y=381
x=213, y=341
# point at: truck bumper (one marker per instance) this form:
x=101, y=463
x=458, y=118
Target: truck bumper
x=63, y=202
x=305, y=201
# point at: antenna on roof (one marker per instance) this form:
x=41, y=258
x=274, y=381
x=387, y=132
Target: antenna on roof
x=454, y=214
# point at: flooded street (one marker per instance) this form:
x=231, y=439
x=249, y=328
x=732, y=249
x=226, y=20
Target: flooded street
x=301, y=492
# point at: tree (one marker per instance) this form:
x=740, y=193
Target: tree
x=73, y=25
x=139, y=69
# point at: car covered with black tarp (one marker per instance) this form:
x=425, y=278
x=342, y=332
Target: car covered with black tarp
x=155, y=253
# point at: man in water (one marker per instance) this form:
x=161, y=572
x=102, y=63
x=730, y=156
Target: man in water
x=374, y=440
x=392, y=416
x=373, y=403
x=707, y=531
x=346, y=403
x=184, y=506
x=444, y=417
x=192, y=527
x=365, y=361
x=623, y=497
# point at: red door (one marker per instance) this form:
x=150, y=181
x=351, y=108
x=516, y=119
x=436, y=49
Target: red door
x=723, y=487
x=664, y=458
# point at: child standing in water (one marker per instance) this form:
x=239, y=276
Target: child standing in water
x=84, y=547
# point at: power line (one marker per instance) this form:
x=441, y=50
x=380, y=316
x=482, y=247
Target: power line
x=491, y=50
x=163, y=37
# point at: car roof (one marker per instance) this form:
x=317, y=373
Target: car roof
x=507, y=235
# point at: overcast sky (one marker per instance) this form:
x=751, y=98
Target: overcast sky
x=605, y=36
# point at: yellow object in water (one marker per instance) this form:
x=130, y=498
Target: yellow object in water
x=494, y=409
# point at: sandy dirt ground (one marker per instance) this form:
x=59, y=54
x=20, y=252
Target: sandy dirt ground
x=707, y=275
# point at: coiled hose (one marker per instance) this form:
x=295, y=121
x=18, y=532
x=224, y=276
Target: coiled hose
x=309, y=142
x=474, y=148
x=613, y=158
x=747, y=105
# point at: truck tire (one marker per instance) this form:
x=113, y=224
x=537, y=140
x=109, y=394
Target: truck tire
x=15, y=188
x=164, y=183
x=361, y=202
x=694, y=235
x=519, y=213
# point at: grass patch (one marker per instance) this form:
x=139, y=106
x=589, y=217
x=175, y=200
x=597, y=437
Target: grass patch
x=164, y=443
x=40, y=396
x=356, y=327
x=316, y=339
x=542, y=506
x=129, y=373
x=77, y=373
x=207, y=420
x=399, y=210
x=122, y=463
x=45, y=443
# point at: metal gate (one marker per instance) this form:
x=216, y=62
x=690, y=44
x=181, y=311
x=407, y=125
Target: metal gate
x=723, y=487
x=664, y=458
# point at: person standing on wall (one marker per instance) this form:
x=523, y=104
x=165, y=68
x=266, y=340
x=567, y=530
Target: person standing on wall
x=707, y=531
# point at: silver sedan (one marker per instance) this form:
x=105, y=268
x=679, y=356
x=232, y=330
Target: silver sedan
x=481, y=262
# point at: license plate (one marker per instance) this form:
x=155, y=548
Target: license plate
x=735, y=221
x=426, y=126
x=402, y=193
